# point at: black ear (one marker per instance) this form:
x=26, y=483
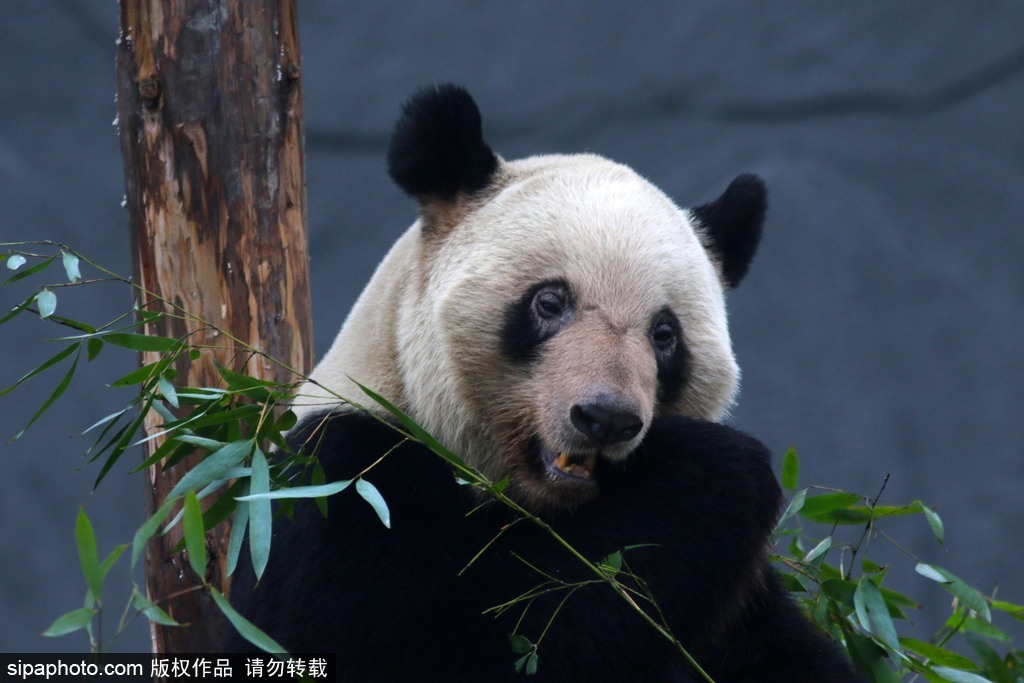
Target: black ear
x=732, y=224
x=437, y=149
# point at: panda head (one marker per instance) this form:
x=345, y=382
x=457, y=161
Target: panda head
x=550, y=308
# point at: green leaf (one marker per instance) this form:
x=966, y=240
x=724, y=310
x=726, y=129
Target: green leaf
x=57, y=393
x=70, y=266
x=955, y=676
x=19, y=308
x=611, y=564
x=260, y=514
x=833, y=508
x=795, y=504
x=521, y=644
x=212, y=467
x=790, y=469
x=970, y=597
x=26, y=273
x=195, y=535
x=15, y=261
x=70, y=622
x=148, y=528
x=527, y=662
x=372, y=496
x=111, y=559
x=300, y=492
x=68, y=322
x=47, y=302
x=938, y=655
x=167, y=391
x=934, y=521
x=141, y=374
x=201, y=441
x=94, y=346
x=88, y=556
x=244, y=627
x=868, y=656
x=873, y=613
x=237, y=533
x=152, y=611
x=141, y=342
x=818, y=550
x=46, y=365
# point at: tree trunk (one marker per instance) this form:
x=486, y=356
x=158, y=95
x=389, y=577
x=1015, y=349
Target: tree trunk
x=210, y=119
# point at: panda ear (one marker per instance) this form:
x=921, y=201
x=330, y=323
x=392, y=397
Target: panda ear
x=437, y=149
x=731, y=225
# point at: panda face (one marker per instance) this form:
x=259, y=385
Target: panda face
x=542, y=313
x=575, y=304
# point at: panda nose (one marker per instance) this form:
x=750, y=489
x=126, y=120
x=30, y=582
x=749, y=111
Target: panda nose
x=605, y=425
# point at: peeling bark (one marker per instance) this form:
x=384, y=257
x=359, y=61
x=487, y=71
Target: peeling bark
x=210, y=118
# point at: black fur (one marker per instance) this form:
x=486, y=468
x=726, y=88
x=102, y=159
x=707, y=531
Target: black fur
x=673, y=367
x=733, y=224
x=393, y=606
x=437, y=149
x=523, y=331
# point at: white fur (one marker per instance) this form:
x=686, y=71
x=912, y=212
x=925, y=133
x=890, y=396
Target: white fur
x=424, y=332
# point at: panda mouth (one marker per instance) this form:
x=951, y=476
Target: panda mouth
x=566, y=466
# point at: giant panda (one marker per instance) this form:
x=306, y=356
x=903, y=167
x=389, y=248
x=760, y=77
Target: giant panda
x=560, y=324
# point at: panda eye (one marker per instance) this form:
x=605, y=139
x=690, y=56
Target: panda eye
x=549, y=304
x=663, y=334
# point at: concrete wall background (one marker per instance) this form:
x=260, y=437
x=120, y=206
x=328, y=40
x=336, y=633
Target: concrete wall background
x=879, y=329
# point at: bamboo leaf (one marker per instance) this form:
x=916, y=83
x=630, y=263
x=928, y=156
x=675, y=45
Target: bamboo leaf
x=212, y=468
x=168, y=391
x=238, y=528
x=88, y=556
x=955, y=676
x=260, y=515
x=244, y=627
x=19, y=308
x=70, y=266
x=873, y=613
x=109, y=561
x=202, y=442
x=818, y=550
x=795, y=504
x=94, y=346
x=148, y=528
x=938, y=655
x=300, y=492
x=27, y=273
x=934, y=521
x=57, y=393
x=75, y=324
x=70, y=622
x=108, y=418
x=47, y=302
x=195, y=535
x=372, y=496
x=790, y=469
x=141, y=342
x=46, y=365
x=970, y=597
x=152, y=611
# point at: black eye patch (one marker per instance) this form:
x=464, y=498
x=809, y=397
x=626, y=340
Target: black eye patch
x=672, y=354
x=535, y=317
